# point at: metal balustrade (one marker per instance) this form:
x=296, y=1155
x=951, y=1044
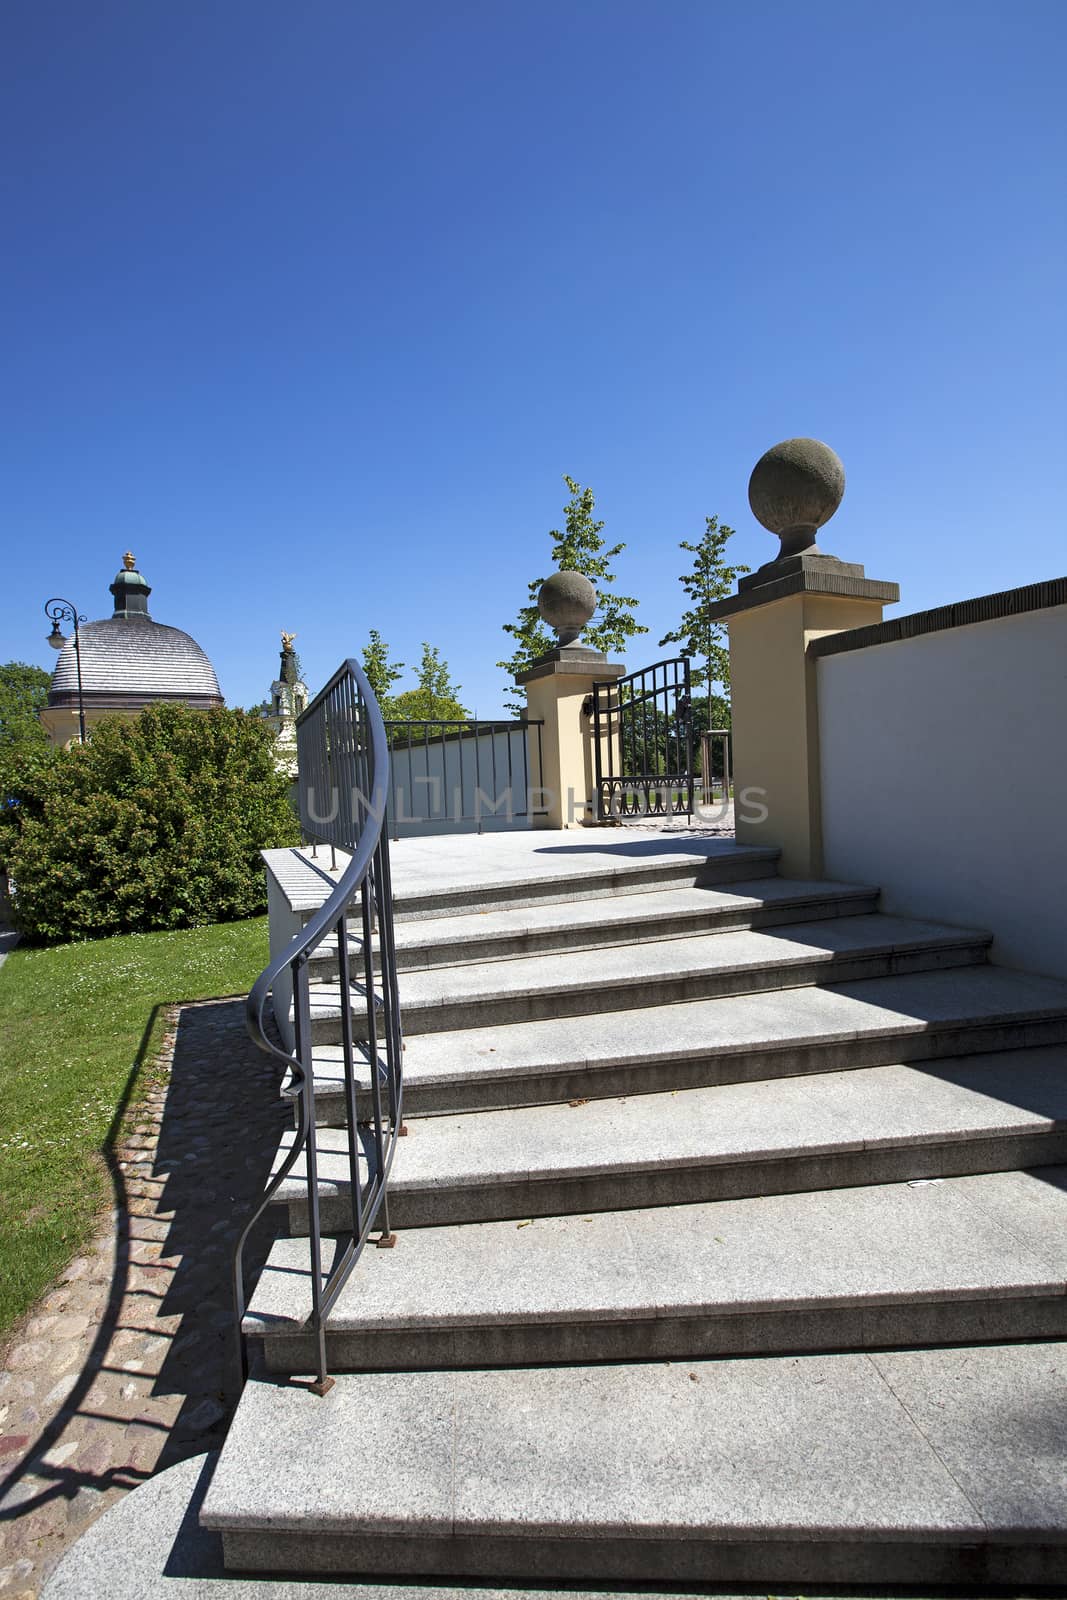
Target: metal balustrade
x=444, y=774
x=343, y=787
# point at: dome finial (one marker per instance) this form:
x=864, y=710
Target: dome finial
x=130, y=589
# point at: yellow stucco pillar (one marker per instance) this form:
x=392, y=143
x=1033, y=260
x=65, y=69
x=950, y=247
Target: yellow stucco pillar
x=775, y=715
x=560, y=736
x=777, y=612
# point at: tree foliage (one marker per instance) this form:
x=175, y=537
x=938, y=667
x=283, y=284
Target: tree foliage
x=157, y=822
x=381, y=672
x=435, y=697
x=711, y=578
x=25, y=749
x=23, y=693
x=579, y=548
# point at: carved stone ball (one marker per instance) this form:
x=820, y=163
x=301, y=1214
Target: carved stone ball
x=796, y=487
x=566, y=601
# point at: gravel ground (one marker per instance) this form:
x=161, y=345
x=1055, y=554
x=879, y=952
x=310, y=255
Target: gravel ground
x=127, y=1365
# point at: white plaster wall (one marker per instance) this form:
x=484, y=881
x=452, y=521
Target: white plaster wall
x=944, y=779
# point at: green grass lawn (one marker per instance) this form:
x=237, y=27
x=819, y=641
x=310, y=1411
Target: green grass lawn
x=78, y=1023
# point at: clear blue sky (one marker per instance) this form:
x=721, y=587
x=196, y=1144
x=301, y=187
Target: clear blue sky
x=310, y=303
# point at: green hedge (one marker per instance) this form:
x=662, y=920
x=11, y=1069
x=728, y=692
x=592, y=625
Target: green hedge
x=157, y=822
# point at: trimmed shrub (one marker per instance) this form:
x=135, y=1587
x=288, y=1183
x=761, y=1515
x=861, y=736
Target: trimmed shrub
x=157, y=822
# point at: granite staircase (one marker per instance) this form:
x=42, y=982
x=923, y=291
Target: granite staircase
x=731, y=1248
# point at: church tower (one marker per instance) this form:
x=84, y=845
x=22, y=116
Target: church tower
x=288, y=697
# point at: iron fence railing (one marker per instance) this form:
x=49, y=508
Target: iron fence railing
x=455, y=772
x=643, y=743
x=343, y=786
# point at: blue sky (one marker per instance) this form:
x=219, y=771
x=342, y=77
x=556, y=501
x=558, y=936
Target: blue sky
x=311, y=305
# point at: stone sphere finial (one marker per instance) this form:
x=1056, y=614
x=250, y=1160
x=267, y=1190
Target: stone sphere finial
x=794, y=489
x=566, y=601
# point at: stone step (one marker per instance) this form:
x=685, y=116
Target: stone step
x=918, y=1017
x=149, y=1546
x=833, y=1130
x=662, y=972
x=624, y=919
x=913, y=1466
x=939, y=1261
x=570, y=867
x=499, y=870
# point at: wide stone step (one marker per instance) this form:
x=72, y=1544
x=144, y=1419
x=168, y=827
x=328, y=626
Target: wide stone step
x=662, y=972
x=934, y=1262
x=149, y=1546
x=622, y=919
x=572, y=866
x=918, y=1017
x=912, y=1466
x=514, y=870
x=875, y=1125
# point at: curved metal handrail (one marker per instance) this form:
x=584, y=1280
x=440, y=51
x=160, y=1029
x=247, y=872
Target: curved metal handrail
x=342, y=735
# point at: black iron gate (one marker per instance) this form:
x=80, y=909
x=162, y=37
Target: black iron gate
x=643, y=743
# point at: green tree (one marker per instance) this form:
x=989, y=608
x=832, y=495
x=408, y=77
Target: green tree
x=25, y=750
x=23, y=693
x=24, y=773
x=710, y=579
x=381, y=672
x=579, y=548
x=435, y=698
x=156, y=823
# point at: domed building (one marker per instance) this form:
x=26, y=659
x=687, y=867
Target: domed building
x=127, y=661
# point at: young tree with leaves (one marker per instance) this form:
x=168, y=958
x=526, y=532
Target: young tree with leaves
x=381, y=672
x=435, y=698
x=711, y=578
x=579, y=548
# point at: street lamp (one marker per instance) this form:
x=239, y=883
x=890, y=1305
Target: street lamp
x=57, y=610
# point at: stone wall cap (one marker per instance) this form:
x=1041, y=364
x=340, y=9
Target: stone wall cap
x=961, y=614
x=786, y=566
x=571, y=661
x=809, y=580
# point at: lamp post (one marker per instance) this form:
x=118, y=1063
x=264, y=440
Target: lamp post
x=63, y=610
